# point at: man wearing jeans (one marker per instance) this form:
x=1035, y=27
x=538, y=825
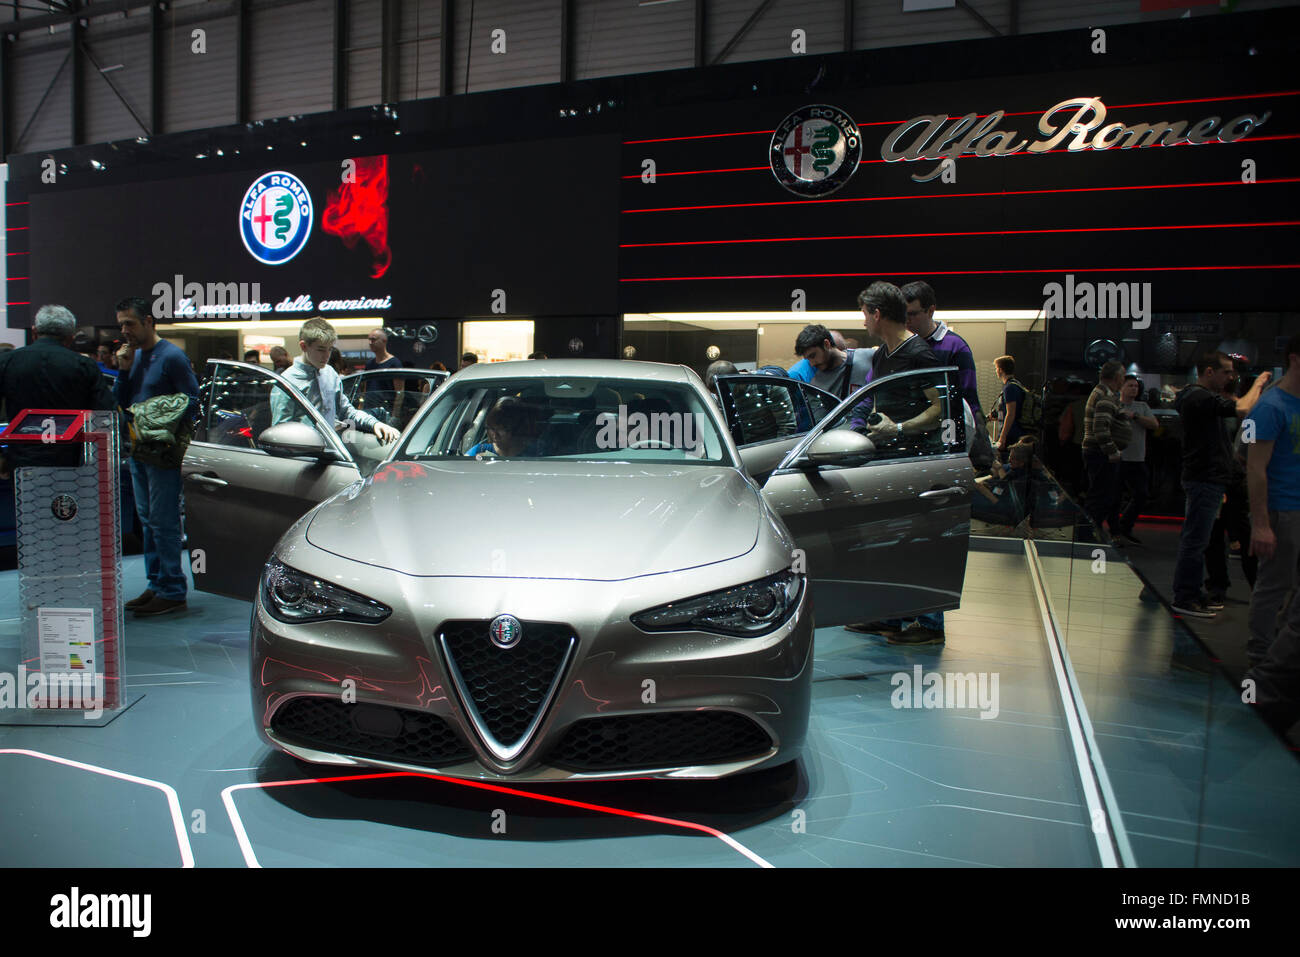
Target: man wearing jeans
x=1273, y=479
x=1206, y=470
x=1105, y=436
x=149, y=366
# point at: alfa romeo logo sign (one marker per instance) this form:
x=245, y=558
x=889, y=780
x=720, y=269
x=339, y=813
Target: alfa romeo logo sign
x=815, y=150
x=275, y=217
x=64, y=507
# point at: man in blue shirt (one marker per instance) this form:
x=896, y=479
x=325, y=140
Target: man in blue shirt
x=1273, y=481
x=147, y=367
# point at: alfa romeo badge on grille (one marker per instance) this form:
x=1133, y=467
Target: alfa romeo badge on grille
x=505, y=631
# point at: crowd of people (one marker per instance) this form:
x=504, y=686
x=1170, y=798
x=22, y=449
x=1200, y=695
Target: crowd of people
x=1247, y=496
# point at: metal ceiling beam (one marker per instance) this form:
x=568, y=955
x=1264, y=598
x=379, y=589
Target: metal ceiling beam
x=242, y=39
x=446, y=50
x=4, y=99
x=389, y=57
x=85, y=48
x=700, y=24
x=963, y=4
x=566, y=40
x=155, y=69
x=340, y=54
x=745, y=28
x=75, y=33
x=44, y=96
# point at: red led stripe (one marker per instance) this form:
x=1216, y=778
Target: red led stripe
x=963, y=272
x=1017, y=192
x=16, y=203
x=982, y=232
x=18, y=304
x=16, y=278
x=500, y=789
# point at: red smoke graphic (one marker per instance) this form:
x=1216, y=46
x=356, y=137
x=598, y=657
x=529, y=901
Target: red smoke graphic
x=360, y=211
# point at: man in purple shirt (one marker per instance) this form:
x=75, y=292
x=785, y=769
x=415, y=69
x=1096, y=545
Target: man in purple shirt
x=952, y=350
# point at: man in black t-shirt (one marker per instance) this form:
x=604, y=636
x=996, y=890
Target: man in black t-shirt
x=384, y=399
x=1206, y=472
x=904, y=411
x=909, y=409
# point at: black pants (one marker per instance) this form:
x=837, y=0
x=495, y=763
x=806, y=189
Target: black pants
x=1232, y=525
x=1133, y=478
x=1102, y=500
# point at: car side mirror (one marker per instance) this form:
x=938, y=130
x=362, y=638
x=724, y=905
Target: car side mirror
x=290, y=439
x=839, y=447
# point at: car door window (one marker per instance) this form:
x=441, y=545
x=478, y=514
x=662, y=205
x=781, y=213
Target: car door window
x=762, y=408
x=922, y=401
x=374, y=392
x=238, y=406
x=820, y=403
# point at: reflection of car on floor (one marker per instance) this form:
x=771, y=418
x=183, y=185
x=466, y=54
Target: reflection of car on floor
x=566, y=569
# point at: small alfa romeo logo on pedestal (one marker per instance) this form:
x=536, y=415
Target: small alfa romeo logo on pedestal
x=64, y=507
x=815, y=150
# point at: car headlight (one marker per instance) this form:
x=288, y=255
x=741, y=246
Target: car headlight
x=290, y=596
x=750, y=610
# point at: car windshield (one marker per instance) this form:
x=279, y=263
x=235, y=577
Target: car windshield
x=568, y=417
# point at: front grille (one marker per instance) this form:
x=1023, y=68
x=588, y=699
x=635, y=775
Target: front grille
x=369, y=731
x=507, y=688
x=627, y=742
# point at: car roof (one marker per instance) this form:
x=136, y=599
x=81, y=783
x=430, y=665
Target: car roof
x=585, y=368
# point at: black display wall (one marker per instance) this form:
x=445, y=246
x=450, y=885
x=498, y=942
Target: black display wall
x=716, y=230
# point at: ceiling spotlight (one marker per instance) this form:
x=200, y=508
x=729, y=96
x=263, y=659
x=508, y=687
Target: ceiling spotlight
x=356, y=136
x=221, y=153
x=200, y=156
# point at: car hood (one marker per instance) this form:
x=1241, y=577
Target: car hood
x=541, y=519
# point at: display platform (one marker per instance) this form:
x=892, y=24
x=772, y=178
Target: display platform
x=181, y=778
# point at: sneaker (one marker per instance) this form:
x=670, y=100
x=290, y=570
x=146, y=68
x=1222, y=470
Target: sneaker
x=160, y=606
x=142, y=599
x=883, y=628
x=1215, y=601
x=917, y=634
x=1193, y=609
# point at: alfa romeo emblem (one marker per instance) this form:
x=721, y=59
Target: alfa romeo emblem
x=275, y=217
x=64, y=507
x=505, y=631
x=815, y=150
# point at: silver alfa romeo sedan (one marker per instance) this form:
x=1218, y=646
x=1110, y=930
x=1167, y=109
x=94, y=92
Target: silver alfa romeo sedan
x=568, y=569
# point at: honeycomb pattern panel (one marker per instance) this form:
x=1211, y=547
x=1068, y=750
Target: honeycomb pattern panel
x=369, y=731
x=626, y=742
x=507, y=686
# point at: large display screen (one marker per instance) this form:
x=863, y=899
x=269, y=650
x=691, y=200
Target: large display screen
x=512, y=229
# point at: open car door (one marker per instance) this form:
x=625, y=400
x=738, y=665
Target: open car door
x=768, y=415
x=240, y=498
x=884, y=522
x=393, y=396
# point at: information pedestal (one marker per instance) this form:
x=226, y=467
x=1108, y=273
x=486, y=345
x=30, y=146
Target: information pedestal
x=71, y=668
